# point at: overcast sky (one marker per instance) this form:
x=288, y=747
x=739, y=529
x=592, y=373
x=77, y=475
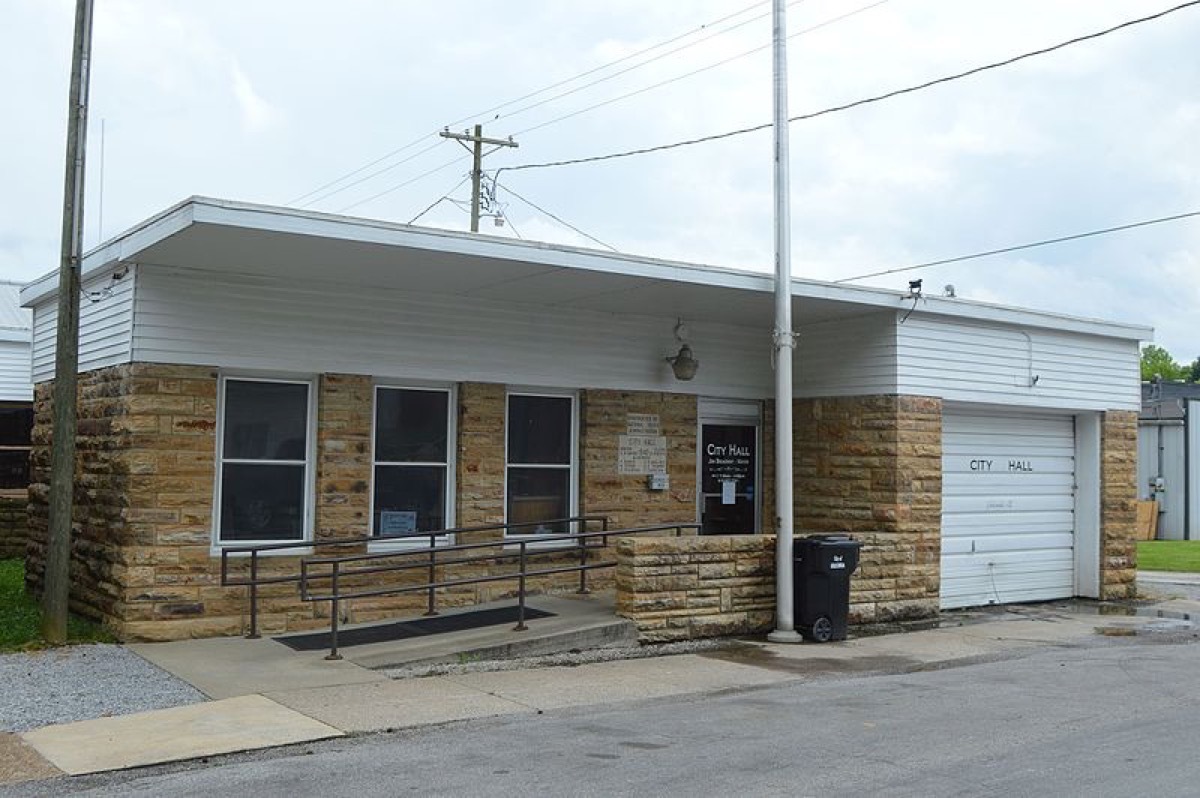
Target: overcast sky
x=267, y=100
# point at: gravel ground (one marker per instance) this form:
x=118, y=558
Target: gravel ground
x=83, y=682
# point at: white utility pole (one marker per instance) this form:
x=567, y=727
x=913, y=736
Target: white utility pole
x=56, y=582
x=784, y=343
x=477, y=155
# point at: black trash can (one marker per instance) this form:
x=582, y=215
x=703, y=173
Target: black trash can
x=823, y=564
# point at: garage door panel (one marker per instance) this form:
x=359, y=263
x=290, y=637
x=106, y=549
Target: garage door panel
x=993, y=505
x=1015, y=464
x=1008, y=483
x=1027, y=541
x=1008, y=507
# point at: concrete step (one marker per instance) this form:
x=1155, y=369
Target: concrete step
x=577, y=623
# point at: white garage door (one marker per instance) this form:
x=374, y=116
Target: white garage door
x=1008, y=508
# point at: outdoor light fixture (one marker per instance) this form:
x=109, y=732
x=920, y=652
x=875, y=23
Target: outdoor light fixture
x=683, y=364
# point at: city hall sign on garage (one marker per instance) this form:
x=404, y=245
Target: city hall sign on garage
x=256, y=373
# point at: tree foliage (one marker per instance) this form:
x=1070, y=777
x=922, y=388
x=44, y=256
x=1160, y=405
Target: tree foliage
x=1157, y=362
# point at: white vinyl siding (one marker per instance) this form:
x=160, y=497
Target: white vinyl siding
x=15, y=376
x=1008, y=507
x=961, y=361
x=847, y=357
x=105, y=326
x=257, y=323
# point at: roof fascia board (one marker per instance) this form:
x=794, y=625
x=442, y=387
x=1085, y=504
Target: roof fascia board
x=123, y=247
x=267, y=218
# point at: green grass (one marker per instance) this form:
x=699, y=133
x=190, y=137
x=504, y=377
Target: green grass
x=20, y=616
x=1169, y=555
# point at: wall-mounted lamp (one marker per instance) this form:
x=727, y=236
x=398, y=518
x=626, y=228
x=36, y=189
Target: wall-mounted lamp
x=683, y=364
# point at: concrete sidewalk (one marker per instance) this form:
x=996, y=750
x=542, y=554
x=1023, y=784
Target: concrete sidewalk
x=310, y=699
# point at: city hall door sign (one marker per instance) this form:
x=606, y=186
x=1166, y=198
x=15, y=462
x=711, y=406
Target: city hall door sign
x=728, y=479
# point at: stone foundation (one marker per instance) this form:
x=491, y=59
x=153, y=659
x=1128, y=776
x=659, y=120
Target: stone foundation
x=872, y=466
x=693, y=587
x=14, y=526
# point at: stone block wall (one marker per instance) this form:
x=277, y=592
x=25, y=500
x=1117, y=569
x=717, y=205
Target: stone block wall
x=1118, y=505
x=142, y=558
x=872, y=466
x=14, y=526
x=625, y=499
x=693, y=587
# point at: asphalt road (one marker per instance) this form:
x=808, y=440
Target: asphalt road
x=1118, y=716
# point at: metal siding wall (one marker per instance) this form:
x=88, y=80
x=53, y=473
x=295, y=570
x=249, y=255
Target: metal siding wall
x=1192, y=472
x=960, y=361
x=260, y=324
x=15, y=385
x=1172, y=520
x=105, y=327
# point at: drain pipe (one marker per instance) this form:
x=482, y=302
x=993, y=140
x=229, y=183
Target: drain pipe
x=784, y=342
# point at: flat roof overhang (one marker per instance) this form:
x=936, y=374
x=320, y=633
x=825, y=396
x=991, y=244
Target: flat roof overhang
x=233, y=237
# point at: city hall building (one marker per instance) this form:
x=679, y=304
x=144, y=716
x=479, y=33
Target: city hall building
x=258, y=374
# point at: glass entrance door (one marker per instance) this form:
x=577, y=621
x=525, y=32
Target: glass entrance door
x=728, y=479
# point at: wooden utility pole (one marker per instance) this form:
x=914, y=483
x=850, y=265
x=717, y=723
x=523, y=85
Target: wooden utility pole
x=477, y=155
x=56, y=584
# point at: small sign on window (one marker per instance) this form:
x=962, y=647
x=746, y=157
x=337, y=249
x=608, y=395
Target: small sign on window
x=397, y=522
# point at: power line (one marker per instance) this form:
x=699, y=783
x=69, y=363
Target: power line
x=648, y=61
x=440, y=200
x=621, y=60
x=542, y=90
x=1018, y=247
x=563, y=222
x=699, y=71
x=374, y=174
x=857, y=103
x=399, y=186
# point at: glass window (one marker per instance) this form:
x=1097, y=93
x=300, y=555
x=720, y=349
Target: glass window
x=540, y=470
x=16, y=428
x=264, y=461
x=412, y=461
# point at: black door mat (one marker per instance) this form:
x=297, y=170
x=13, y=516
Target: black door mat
x=404, y=630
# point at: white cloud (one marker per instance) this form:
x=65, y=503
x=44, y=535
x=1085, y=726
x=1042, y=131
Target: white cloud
x=267, y=100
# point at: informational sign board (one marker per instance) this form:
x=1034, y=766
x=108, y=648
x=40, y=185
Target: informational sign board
x=643, y=450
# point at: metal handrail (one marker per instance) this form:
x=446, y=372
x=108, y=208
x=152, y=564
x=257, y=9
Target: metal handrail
x=337, y=573
x=255, y=549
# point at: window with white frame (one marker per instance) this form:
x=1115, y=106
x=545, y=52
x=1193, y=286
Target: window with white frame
x=540, y=462
x=264, y=461
x=413, y=432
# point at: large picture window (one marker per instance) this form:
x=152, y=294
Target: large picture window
x=264, y=461
x=16, y=427
x=412, y=461
x=540, y=467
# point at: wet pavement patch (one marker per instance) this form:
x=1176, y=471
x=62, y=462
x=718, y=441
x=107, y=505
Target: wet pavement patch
x=810, y=666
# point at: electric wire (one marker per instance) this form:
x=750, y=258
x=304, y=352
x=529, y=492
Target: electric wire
x=374, y=174
x=656, y=58
x=561, y=221
x=592, y=71
x=1018, y=247
x=857, y=103
x=620, y=60
x=398, y=186
x=698, y=71
x=440, y=200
